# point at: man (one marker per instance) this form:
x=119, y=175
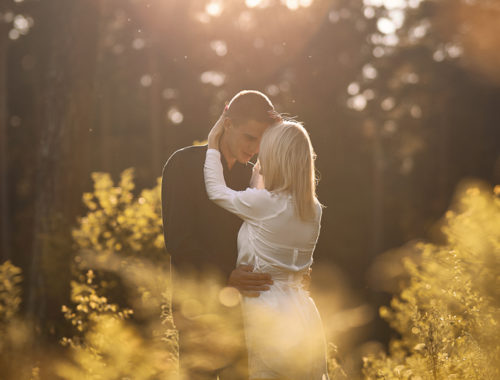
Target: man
x=198, y=234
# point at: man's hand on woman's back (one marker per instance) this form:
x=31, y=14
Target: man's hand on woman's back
x=249, y=283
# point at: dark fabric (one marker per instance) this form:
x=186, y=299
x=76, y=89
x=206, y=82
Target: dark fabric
x=198, y=233
x=202, y=236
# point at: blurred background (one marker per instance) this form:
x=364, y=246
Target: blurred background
x=401, y=99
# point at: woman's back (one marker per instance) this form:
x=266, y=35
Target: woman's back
x=275, y=235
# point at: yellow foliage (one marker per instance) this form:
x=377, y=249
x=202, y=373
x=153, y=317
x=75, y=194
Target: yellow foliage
x=121, y=257
x=10, y=291
x=16, y=340
x=118, y=221
x=115, y=350
x=448, y=316
x=89, y=306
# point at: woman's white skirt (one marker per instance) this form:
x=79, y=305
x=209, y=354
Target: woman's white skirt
x=284, y=334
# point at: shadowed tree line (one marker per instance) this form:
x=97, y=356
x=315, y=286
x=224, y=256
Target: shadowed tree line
x=401, y=104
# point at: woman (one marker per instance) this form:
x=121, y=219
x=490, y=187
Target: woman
x=281, y=226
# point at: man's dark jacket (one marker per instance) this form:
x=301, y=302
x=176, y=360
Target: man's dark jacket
x=199, y=234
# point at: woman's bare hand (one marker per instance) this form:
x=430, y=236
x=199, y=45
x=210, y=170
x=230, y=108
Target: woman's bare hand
x=216, y=132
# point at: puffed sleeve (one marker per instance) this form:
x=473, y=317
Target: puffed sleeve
x=250, y=204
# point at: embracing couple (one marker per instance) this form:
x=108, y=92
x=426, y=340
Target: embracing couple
x=258, y=225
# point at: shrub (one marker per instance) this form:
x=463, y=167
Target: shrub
x=121, y=269
x=17, y=360
x=118, y=222
x=448, y=315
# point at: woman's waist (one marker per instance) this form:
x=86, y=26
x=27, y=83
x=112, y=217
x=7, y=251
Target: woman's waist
x=287, y=277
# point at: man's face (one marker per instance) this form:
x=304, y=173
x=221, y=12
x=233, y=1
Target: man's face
x=243, y=141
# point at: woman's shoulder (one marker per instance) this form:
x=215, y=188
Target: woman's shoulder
x=254, y=195
x=263, y=202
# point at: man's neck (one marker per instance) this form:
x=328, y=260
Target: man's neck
x=226, y=153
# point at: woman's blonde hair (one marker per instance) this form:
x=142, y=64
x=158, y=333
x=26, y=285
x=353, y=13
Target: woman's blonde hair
x=287, y=162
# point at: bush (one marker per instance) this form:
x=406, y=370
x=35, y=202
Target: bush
x=117, y=222
x=17, y=360
x=448, y=315
x=121, y=270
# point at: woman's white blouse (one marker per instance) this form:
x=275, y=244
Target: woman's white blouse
x=272, y=237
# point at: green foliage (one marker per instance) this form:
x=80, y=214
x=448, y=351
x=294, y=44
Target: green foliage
x=448, y=317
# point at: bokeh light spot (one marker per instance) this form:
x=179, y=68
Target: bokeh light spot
x=353, y=88
x=305, y=3
x=291, y=4
x=438, y=55
x=146, y=80
x=214, y=78
x=369, y=12
x=214, y=8
x=369, y=72
x=386, y=26
x=175, y=116
x=454, y=50
x=229, y=296
x=411, y=78
x=357, y=102
x=272, y=90
x=416, y=111
x=170, y=93
x=257, y=3
x=369, y=94
x=138, y=43
x=14, y=34
x=388, y=104
x=390, y=127
x=333, y=17
x=22, y=24
x=219, y=47
x=378, y=52
x=245, y=21
x=203, y=18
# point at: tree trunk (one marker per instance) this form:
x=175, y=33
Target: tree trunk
x=104, y=93
x=62, y=157
x=378, y=194
x=443, y=180
x=155, y=113
x=4, y=173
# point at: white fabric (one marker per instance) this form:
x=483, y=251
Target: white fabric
x=283, y=328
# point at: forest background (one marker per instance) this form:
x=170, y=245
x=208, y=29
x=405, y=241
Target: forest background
x=401, y=99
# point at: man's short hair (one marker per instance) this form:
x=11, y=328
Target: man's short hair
x=250, y=105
